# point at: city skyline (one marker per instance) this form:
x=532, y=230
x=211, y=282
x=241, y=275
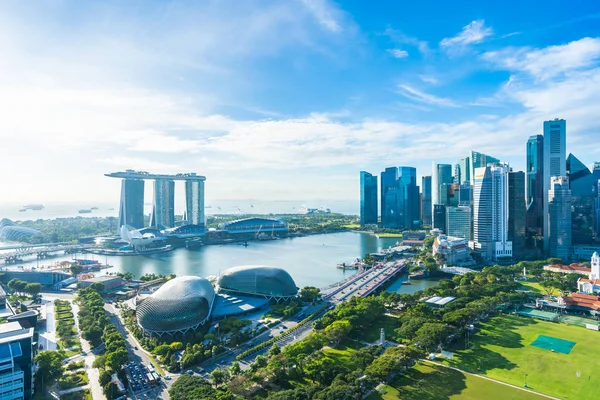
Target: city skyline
x=314, y=92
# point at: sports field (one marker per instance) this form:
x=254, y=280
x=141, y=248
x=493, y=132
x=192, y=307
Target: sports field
x=502, y=350
x=431, y=382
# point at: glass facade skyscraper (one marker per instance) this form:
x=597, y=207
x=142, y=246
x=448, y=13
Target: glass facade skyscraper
x=163, y=209
x=555, y=137
x=408, y=177
x=534, y=189
x=391, y=196
x=559, y=218
x=368, y=198
x=194, y=202
x=426, y=207
x=458, y=222
x=441, y=174
x=583, y=187
x=465, y=169
x=439, y=217
x=516, y=212
x=131, y=207
x=479, y=160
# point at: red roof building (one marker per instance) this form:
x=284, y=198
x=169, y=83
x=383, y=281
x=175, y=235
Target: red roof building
x=583, y=300
x=568, y=269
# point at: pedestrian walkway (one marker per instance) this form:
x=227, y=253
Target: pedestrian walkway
x=73, y=390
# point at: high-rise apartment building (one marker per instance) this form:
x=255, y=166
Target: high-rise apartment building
x=368, y=198
x=555, y=138
x=479, y=160
x=131, y=206
x=16, y=361
x=534, y=189
x=426, y=207
x=163, y=209
x=194, y=201
x=490, y=212
x=559, y=218
x=516, y=212
x=465, y=169
x=458, y=222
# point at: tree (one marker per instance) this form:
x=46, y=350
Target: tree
x=76, y=269
x=97, y=286
x=337, y=331
x=274, y=350
x=431, y=334
x=33, y=289
x=235, y=369
x=176, y=346
x=219, y=376
x=92, y=334
x=49, y=367
x=116, y=359
x=110, y=390
x=309, y=294
x=105, y=377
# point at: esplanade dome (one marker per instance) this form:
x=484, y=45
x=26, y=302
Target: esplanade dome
x=258, y=280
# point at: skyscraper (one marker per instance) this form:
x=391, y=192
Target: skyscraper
x=534, y=189
x=131, y=206
x=439, y=217
x=583, y=187
x=408, y=177
x=163, y=209
x=392, y=194
x=555, y=137
x=368, y=198
x=458, y=222
x=479, y=160
x=426, y=207
x=490, y=212
x=559, y=218
x=516, y=212
x=194, y=201
x=16, y=361
x=465, y=169
x=465, y=194
x=457, y=174
x=440, y=174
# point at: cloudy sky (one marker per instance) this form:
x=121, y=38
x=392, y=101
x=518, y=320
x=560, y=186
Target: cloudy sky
x=283, y=99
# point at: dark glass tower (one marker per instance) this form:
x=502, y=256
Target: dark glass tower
x=583, y=187
x=439, y=217
x=392, y=199
x=131, y=208
x=408, y=178
x=516, y=212
x=534, y=188
x=426, y=200
x=368, y=198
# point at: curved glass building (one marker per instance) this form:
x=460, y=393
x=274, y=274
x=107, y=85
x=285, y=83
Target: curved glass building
x=180, y=305
x=258, y=280
x=11, y=231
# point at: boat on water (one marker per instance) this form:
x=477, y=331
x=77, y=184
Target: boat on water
x=111, y=209
x=22, y=210
x=406, y=283
x=85, y=211
x=94, y=208
x=34, y=207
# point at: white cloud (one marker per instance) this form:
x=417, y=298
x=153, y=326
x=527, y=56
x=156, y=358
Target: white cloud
x=324, y=13
x=550, y=61
x=473, y=33
x=401, y=38
x=417, y=95
x=397, y=53
x=429, y=79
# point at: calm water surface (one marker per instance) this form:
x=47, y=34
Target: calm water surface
x=310, y=260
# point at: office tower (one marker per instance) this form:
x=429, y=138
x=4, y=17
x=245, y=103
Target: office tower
x=163, y=209
x=479, y=160
x=465, y=169
x=426, y=207
x=368, y=198
x=131, y=208
x=458, y=222
x=534, y=189
x=439, y=217
x=555, y=138
x=465, y=194
x=194, y=201
x=457, y=174
x=516, y=212
x=16, y=361
x=559, y=218
x=490, y=212
x=597, y=209
x=583, y=187
x=408, y=177
x=391, y=196
x=440, y=174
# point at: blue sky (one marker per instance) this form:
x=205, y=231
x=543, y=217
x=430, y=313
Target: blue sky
x=283, y=99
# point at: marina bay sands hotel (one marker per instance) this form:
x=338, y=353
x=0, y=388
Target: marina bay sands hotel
x=131, y=208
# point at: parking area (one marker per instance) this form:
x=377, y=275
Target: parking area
x=142, y=378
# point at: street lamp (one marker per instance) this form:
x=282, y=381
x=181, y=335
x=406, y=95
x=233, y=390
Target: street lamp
x=525, y=381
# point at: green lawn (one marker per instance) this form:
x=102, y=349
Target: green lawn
x=69, y=381
x=430, y=382
x=81, y=395
x=501, y=350
x=536, y=287
x=341, y=356
x=389, y=235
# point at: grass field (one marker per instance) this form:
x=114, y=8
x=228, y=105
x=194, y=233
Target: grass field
x=341, y=356
x=537, y=288
x=389, y=235
x=431, y=382
x=501, y=350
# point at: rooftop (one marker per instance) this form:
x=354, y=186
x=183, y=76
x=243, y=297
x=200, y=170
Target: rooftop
x=131, y=174
x=12, y=331
x=440, y=301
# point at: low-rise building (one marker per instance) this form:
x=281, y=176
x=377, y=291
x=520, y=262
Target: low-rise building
x=454, y=250
x=109, y=282
x=573, y=268
x=592, y=284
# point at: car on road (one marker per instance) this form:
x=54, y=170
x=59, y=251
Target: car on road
x=167, y=377
x=135, y=347
x=189, y=372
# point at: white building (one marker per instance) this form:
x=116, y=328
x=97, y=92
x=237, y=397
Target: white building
x=555, y=163
x=490, y=212
x=455, y=250
x=591, y=285
x=558, y=234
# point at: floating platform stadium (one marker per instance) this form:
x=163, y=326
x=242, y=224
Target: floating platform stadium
x=185, y=303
